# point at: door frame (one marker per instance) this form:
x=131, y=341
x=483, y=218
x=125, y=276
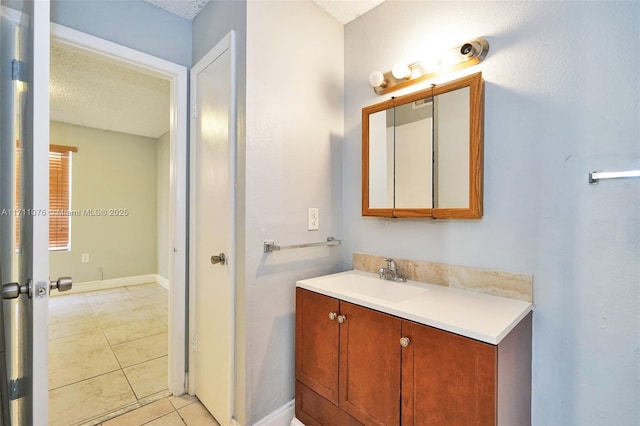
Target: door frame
x=227, y=43
x=177, y=76
x=38, y=409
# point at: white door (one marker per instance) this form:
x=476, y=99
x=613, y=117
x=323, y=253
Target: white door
x=211, y=255
x=24, y=250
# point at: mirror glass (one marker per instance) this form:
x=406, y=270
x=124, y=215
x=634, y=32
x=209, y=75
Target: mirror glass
x=422, y=153
x=401, y=135
x=451, y=150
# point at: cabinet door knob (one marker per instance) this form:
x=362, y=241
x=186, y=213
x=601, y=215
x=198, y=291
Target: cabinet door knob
x=332, y=316
x=341, y=319
x=404, y=342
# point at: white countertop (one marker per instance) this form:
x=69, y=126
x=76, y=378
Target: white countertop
x=475, y=315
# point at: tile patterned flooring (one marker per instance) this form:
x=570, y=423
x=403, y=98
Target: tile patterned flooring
x=108, y=357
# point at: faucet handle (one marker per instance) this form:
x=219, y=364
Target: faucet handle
x=390, y=262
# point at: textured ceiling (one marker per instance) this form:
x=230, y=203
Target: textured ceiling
x=89, y=91
x=343, y=10
x=346, y=11
x=187, y=9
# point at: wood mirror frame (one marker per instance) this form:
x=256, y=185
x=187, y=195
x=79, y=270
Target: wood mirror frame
x=475, y=84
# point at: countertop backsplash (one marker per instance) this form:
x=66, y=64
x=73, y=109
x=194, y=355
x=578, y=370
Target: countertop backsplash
x=496, y=283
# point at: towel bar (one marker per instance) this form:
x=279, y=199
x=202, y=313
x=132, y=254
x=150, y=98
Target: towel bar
x=594, y=177
x=270, y=246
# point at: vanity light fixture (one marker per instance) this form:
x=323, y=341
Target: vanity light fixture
x=403, y=75
x=401, y=71
x=376, y=79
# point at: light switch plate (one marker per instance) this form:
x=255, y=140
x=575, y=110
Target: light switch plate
x=313, y=219
x=85, y=257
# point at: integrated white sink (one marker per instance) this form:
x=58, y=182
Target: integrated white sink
x=370, y=286
x=468, y=313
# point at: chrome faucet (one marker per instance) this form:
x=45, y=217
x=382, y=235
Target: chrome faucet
x=390, y=272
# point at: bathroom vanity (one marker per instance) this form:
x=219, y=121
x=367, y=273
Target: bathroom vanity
x=376, y=352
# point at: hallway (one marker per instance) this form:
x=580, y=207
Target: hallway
x=108, y=356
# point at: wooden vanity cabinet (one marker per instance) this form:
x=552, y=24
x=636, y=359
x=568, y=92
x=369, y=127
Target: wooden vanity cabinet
x=352, y=363
x=354, y=370
x=317, y=343
x=447, y=379
x=369, y=370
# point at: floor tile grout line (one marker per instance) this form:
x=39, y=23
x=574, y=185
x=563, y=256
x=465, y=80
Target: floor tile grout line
x=71, y=335
x=95, y=419
x=153, y=317
x=97, y=375
x=62, y=336
x=141, y=338
x=116, y=356
x=102, y=329
x=185, y=405
x=121, y=368
x=164, y=415
x=174, y=409
x=146, y=360
x=86, y=379
x=140, y=401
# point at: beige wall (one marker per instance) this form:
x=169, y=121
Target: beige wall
x=110, y=171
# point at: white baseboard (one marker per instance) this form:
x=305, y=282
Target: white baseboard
x=296, y=422
x=164, y=282
x=281, y=417
x=107, y=284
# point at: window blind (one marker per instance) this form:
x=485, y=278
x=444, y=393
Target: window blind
x=59, y=196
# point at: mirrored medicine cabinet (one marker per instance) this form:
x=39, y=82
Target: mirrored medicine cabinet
x=422, y=153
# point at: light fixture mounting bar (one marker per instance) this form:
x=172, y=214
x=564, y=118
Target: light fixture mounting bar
x=463, y=56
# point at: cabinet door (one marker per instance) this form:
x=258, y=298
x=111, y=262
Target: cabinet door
x=369, y=365
x=447, y=379
x=317, y=343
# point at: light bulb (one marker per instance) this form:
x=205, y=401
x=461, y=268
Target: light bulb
x=450, y=58
x=376, y=79
x=430, y=63
x=401, y=71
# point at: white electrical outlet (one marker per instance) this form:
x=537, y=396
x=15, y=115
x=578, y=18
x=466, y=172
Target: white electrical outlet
x=85, y=257
x=313, y=219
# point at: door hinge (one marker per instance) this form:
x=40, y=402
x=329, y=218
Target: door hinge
x=19, y=71
x=16, y=388
x=194, y=110
x=193, y=344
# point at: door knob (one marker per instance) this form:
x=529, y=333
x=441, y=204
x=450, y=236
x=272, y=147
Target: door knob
x=13, y=290
x=332, y=316
x=404, y=342
x=221, y=259
x=63, y=284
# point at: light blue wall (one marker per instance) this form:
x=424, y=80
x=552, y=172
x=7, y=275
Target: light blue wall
x=133, y=23
x=295, y=74
x=215, y=21
x=562, y=97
